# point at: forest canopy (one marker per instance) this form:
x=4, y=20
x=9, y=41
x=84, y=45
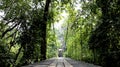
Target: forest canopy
x=88, y=30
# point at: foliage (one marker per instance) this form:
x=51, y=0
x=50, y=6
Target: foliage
x=96, y=28
x=52, y=44
x=81, y=23
x=24, y=24
x=91, y=31
x=105, y=39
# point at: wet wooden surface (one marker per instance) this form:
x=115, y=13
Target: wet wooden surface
x=61, y=62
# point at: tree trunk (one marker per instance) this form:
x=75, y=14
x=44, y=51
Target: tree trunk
x=43, y=29
x=66, y=36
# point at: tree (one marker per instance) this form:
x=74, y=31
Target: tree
x=43, y=28
x=28, y=21
x=104, y=40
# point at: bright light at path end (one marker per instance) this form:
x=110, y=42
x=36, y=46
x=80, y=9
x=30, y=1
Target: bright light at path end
x=63, y=19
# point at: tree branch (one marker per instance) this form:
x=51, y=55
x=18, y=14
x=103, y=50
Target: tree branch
x=9, y=29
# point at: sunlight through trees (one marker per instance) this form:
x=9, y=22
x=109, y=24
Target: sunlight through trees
x=35, y=30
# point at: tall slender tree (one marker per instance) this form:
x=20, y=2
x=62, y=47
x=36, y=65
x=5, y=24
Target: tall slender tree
x=43, y=29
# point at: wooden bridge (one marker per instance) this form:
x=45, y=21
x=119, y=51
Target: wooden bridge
x=61, y=62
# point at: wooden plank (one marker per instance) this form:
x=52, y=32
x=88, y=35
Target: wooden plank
x=60, y=64
x=67, y=64
x=53, y=64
